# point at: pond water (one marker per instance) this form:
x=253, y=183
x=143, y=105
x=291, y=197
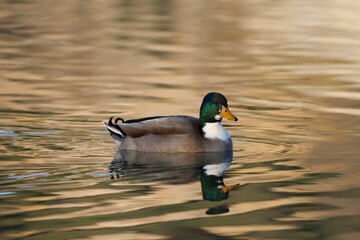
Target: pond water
x=290, y=71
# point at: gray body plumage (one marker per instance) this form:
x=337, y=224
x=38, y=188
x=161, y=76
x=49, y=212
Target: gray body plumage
x=164, y=134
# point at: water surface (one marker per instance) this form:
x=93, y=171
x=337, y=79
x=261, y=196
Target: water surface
x=290, y=71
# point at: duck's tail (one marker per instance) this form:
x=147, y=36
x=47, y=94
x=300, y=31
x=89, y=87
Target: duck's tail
x=115, y=130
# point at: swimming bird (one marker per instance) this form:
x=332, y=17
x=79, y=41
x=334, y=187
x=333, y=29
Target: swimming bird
x=177, y=133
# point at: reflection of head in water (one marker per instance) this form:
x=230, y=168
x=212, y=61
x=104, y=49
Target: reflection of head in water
x=212, y=182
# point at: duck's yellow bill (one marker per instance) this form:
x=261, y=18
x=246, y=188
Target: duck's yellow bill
x=225, y=112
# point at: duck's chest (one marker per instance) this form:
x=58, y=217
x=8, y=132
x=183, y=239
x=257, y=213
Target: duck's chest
x=216, y=131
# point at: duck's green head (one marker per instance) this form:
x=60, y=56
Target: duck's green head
x=213, y=108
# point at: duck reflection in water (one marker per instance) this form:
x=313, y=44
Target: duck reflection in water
x=179, y=168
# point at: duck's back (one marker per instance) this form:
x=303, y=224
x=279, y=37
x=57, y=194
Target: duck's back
x=160, y=134
x=162, y=125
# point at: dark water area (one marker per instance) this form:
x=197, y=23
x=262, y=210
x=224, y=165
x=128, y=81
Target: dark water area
x=290, y=72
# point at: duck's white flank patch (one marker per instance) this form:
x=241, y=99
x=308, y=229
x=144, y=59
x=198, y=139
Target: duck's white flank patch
x=216, y=131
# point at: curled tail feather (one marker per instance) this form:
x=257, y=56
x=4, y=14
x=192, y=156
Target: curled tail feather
x=115, y=131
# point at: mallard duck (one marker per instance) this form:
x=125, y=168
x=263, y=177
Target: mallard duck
x=177, y=133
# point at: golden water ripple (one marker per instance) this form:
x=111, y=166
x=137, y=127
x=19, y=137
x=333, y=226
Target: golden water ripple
x=289, y=69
